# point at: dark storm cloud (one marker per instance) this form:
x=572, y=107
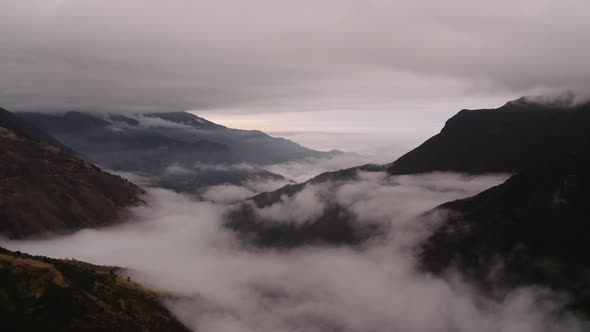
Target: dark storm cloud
x=178, y=54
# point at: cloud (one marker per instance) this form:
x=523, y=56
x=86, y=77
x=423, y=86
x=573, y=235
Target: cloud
x=279, y=54
x=376, y=197
x=303, y=170
x=221, y=183
x=305, y=206
x=262, y=185
x=233, y=193
x=204, y=167
x=227, y=193
x=153, y=122
x=178, y=170
x=177, y=244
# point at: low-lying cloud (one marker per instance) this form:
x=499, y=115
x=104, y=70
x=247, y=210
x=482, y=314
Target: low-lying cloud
x=376, y=197
x=303, y=170
x=231, y=193
x=228, y=183
x=178, y=244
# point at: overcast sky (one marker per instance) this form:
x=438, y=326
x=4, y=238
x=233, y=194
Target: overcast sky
x=274, y=55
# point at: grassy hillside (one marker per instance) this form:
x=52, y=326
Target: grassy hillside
x=45, y=188
x=44, y=294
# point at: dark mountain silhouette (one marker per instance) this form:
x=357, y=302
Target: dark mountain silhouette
x=43, y=294
x=532, y=229
x=150, y=143
x=521, y=135
x=45, y=188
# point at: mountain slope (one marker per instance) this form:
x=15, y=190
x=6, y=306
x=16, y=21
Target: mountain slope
x=335, y=226
x=82, y=131
x=533, y=229
x=44, y=188
x=23, y=128
x=44, y=294
x=518, y=136
x=151, y=143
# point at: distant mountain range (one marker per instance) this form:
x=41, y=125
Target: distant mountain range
x=45, y=188
x=520, y=136
x=149, y=144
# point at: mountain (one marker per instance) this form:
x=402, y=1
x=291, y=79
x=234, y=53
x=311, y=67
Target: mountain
x=521, y=135
x=531, y=230
x=45, y=188
x=335, y=226
x=44, y=294
x=149, y=144
x=202, y=176
x=21, y=127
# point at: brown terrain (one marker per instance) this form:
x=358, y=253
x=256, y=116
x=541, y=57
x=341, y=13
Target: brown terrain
x=44, y=187
x=43, y=294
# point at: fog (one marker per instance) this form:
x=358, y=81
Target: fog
x=376, y=197
x=305, y=169
x=215, y=282
x=230, y=193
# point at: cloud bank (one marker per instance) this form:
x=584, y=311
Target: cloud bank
x=137, y=55
x=178, y=245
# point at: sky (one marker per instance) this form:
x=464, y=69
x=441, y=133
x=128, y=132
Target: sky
x=227, y=57
x=371, y=131
x=180, y=54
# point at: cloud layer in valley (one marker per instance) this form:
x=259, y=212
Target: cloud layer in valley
x=178, y=245
x=138, y=55
x=378, y=198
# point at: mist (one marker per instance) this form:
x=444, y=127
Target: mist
x=213, y=281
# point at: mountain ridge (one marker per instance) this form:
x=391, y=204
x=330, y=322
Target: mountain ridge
x=149, y=143
x=456, y=121
x=504, y=140
x=530, y=230
x=45, y=188
x=44, y=294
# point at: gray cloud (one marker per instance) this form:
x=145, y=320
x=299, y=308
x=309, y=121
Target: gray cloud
x=305, y=169
x=138, y=55
x=230, y=193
